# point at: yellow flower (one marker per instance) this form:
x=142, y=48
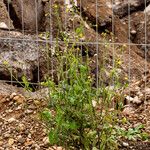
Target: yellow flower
x=67, y=10
x=55, y=6
x=5, y=62
x=126, y=78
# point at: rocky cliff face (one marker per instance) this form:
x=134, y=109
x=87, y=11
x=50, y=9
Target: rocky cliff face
x=25, y=51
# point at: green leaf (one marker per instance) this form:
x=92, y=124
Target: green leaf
x=79, y=30
x=53, y=137
x=46, y=115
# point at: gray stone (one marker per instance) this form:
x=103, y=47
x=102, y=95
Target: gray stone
x=21, y=139
x=121, y=8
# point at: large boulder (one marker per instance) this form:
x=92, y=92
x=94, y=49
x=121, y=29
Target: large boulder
x=64, y=23
x=123, y=7
x=68, y=22
x=140, y=22
x=29, y=13
x=98, y=13
x=22, y=56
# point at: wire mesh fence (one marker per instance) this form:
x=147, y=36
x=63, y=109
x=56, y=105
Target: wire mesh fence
x=85, y=67
x=32, y=29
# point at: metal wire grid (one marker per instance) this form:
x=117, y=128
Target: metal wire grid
x=98, y=42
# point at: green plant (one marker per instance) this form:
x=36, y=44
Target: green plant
x=79, y=115
x=24, y=83
x=82, y=118
x=132, y=133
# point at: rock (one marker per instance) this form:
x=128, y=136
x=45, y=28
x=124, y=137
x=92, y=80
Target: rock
x=129, y=99
x=147, y=10
x=21, y=127
x=28, y=142
x=10, y=110
x=44, y=1
x=45, y=140
x=10, y=120
x=32, y=107
x=7, y=135
x=13, y=95
x=3, y=25
x=103, y=14
x=15, y=53
x=32, y=12
x=29, y=111
x=140, y=20
x=36, y=146
x=128, y=110
x=147, y=91
x=22, y=66
x=136, y=100
x=29, y=136
x=19, y=99
x=21, y=139
x=5, y=21
x=1, y=143
x=94, y=103
x=18, y=108
x=125, y=144
x=11, y=141
x=133, y=32
x=121, y=7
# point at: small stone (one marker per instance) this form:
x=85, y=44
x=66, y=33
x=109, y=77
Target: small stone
x=9, y=110
x=6, y=135
x=44, y=1
x=46, y=140
x=133, y=32
x=18, y=99
x=94, y=103
x=3, y=100
x=31, y=107
x=29, y=136
x=22, y=127
x=56, y=148
x=21, y=139
x=128, y=110
x=3, y=25
x=28, y=111
x=7, y=99
x=13, y=95
x=1, y=143
x=28, y=142
x=125, y=144
x=18, y=108
x=11, y=141
x=10, y=120
x=26, y=132
x=147, y=90
x=36, y=146
x=59, y=148
x=129, y=99
x=11, y=103
x=36, y=102
x=136, y=100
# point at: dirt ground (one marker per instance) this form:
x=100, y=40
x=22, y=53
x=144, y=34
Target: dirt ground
x=22, y=129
